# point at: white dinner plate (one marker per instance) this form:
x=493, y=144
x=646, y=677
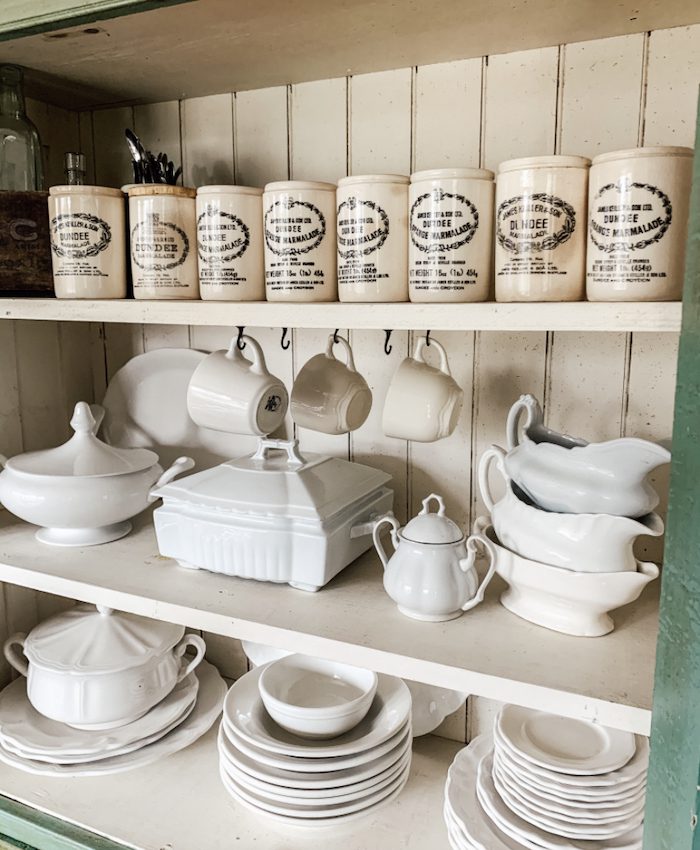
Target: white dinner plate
x=30, y=734
x=562, y=826
x=532, y=837
x=457, y=838
x=564, y=744
x=296, y=779
x=596, y=808
x=245, y=713
x=146, y=405
x=316, y=765
x=326, y=797
x=619, y=780
x=210, y=697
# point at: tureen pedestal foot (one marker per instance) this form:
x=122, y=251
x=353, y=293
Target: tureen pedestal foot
x=430, y=618
x=83, y=536
x=543, y=610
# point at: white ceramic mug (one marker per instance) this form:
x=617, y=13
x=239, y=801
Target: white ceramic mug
x=423, y=402
x=228, y=392
x=331, y=396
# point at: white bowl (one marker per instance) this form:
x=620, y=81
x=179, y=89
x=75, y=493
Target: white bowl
x=314, y=698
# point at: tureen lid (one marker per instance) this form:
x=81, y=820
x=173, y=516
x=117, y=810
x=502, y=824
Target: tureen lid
x=89, y=639
x=84, y=454
x=428, y=527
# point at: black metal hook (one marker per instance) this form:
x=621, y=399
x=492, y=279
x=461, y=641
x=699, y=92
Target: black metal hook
x=284, y=342
x=335, y=336
x=427, y=337
x=240, y=342
x=387, y=348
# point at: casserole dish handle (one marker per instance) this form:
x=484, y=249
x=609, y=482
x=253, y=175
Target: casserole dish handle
x=12, y=652
x=182, y=464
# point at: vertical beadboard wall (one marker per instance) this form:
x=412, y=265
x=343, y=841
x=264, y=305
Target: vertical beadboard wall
x=581, y=98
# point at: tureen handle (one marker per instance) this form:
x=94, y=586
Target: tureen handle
x=14, y=655
x=433, y=497
x=528, y=404
x=467, y=564
x=190, y=640
x=394, y=523
x=492, y=453
x=182, y=464
x=266, y=444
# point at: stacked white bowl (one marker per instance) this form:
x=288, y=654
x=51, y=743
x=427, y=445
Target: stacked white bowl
x=544, y=782
x=105, y=692
x=310, y=742
x=563, y=532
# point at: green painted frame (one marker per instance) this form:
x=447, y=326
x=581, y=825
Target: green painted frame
x=674, y=772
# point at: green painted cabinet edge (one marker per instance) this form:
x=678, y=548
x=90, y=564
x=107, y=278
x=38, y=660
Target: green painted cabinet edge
x=672, y=799
x=43, y=832
x=26, y=17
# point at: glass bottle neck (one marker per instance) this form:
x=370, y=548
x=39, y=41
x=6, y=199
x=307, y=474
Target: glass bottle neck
x=11, y=99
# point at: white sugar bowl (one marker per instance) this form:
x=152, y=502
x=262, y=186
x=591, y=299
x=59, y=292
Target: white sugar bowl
x=95, y=668
x=431, y=575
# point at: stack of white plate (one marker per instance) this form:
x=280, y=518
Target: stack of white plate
x=547, y=783
x=37, y=744
x=311, y=782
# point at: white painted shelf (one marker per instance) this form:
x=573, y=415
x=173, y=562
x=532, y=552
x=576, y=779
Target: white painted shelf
x=179, y=803
x=488, y=652
x=489, y=316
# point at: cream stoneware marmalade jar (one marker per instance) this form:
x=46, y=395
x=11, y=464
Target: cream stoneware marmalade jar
x=299, y=224
x=373, y=238
x=163, y=242
x=87, y=241
x=451, y=236
x=230, y=243
x=541, y=228
x=637, y=224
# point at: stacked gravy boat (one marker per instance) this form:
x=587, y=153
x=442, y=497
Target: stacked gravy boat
x=562, y=534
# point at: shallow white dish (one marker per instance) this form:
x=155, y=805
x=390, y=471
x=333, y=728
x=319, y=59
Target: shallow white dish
x=295, y=779
x=315, y=698
x=564, y=744
x=26, y=731
x=212, y=690
x=563, y=600
x=146, y=405
x=246, y=714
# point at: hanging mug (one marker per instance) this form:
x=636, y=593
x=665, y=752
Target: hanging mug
x=228, y=392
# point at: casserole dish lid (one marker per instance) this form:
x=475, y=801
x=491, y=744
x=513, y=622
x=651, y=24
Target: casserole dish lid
x=278, y=481
x=89, y=639
x=84, y=454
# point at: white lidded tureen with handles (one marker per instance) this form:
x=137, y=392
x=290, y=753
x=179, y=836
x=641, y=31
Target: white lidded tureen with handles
x=432, y=574
x=95, y=668
x=83, y=492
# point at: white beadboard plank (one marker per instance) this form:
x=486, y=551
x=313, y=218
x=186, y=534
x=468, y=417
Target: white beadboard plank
x=21, y=606
x=448, y=115
x=5, y=670
x=158, y=127
x=482, y=714
x=58, y=132
x=76, y=369
x=602, y=87
x=454, y=726
x=260, y=127
x=98, y=360
x=207, y=140
x=226, y=654
x=10, y=410
x=672, y=86
x=165, y=336
x=122, y=342
x=318, y=130
x=47, y=604
x=112, y=160
x=521, y=96
x=87, y=146
x=380, y=122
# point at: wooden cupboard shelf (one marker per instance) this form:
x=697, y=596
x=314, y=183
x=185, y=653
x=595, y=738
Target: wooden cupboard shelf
x=179, y=803
x=488, y=652
x=578, y=316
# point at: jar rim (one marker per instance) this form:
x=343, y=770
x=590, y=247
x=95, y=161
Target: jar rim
x=640, y=153
x=299, y=185
x=355, y=179
x=108, y=191
x=223, y=189
x=535, y=162
x=145, y=189
x=452, y=174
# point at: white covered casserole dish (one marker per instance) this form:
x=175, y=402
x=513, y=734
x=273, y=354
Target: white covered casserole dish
x=274, y=515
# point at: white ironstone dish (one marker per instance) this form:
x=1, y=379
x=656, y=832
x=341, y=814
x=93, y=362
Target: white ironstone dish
x=212, y=690
x=316, y=698
x=564, y=745
x=245, y=713
x=595, y=543
x=566, y=474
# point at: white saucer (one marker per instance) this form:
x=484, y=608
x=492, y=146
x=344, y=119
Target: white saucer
x=563, y=744
x=294, y=779
x=245, y=713
x=34, y=736
x=316, y=765
x=146, y=405
x=210, y=696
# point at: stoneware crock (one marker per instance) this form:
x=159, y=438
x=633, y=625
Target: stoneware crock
x=566, y=474
x=431, y=575
x=95, y=668
x=83, y=492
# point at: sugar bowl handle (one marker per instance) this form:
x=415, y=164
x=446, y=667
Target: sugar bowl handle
x=12, y=650
x=394, y=523
x=467, y=564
